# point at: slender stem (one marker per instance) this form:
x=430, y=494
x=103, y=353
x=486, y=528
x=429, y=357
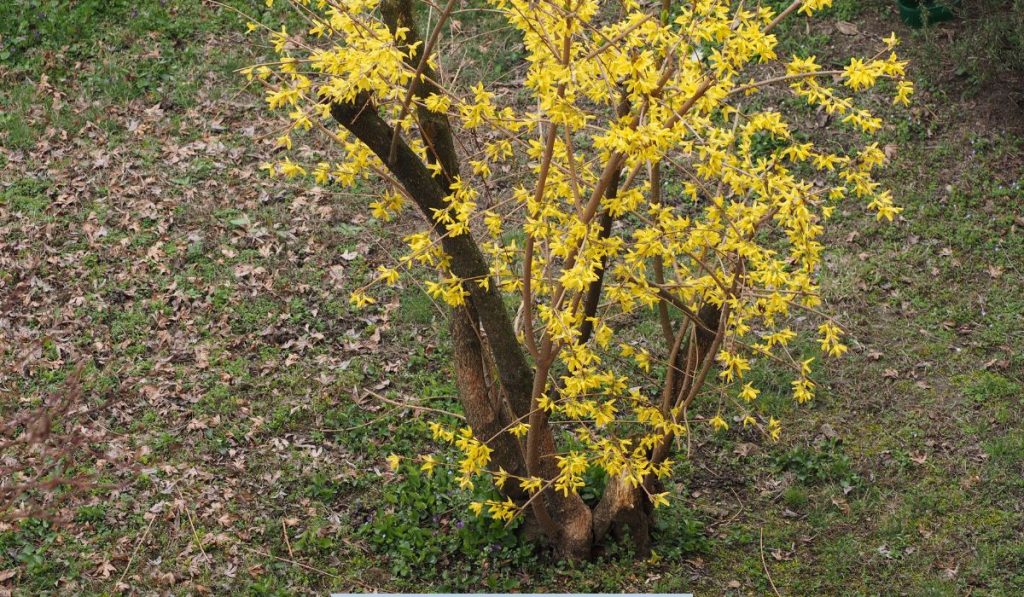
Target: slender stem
x=428, y=49
x=783, y=79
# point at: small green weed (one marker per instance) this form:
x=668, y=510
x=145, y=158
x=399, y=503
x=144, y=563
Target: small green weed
x=825, y=463
x=425, y=527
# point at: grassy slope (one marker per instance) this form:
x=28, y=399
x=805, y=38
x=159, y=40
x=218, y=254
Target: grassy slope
x=211, y=303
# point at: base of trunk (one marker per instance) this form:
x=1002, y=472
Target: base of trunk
x=625, y=513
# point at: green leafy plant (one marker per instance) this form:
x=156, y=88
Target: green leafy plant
x=825, y=463
x=423, y=527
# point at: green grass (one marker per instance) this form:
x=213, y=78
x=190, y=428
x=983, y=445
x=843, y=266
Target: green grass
x=235, y=371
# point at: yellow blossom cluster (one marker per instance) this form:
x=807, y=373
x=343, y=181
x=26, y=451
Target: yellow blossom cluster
x=718, y=201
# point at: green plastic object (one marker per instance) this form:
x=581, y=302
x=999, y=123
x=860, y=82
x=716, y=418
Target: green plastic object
x=918, y=13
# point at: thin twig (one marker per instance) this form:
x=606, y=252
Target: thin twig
x=295, y=562
x=195, y=534
x=765, y=564
x=135, y=551
x=287, y=543
x=731, y=518
x=414, y=406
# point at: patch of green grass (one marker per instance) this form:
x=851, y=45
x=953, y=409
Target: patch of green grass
x=15, y=132
x=825, y=463
x=253, y=315
x=29, y=196
x=795, y=497
x=987, y=387
x=1007, y=451
x=129, y=324
x=416, y=307
x=423, y=528
x=845, y=10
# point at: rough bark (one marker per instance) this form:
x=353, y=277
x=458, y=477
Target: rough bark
x=467, y=262
x=624, y=508
x=481, y=402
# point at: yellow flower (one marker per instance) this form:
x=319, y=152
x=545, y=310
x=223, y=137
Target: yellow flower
x=500, y=478
x=811, y=6
x=532, y=484
x=437, y=103
x=859, y=75
x=428, y=465
x=719, y=424
x=904, y=89
x=290, y=169
x=394, y=460
x=360, y=299
x=388, y=275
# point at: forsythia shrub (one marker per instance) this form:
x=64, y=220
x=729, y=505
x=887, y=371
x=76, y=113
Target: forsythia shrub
x=623, y=97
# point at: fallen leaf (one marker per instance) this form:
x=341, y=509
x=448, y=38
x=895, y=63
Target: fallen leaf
x=842, y=504
x=104, y=570
x=745, y=449
x=847, y=28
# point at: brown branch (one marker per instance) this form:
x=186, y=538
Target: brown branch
x=467, y=261
x=593, y=297
x=435, y=128
x=399, y=13
x=659, y=267
x=414, y=406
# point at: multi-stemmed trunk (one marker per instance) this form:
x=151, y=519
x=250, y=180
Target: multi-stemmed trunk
x=498, y=385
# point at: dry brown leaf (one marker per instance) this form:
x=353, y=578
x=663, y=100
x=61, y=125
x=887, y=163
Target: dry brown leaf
x=842, y=504
x=847, y=28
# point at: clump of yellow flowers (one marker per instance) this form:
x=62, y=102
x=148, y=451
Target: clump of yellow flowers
x=641, y=155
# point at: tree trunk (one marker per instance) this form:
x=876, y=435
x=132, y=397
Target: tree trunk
x=625, y=508
x=482, y=402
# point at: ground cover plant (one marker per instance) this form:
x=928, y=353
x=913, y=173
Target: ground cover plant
x=210, y=305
